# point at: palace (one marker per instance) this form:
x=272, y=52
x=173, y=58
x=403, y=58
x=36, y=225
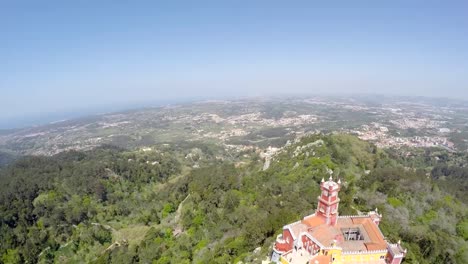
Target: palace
x=327, y=238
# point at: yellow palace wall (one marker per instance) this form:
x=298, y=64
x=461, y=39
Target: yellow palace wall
x=354, y=258
x=346, y=259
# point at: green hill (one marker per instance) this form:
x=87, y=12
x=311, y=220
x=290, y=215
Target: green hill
x=155, y=206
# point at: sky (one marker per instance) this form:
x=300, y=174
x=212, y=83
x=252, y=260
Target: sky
x=75, y=56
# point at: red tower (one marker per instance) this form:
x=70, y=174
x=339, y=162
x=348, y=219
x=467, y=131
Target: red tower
x=328, y=201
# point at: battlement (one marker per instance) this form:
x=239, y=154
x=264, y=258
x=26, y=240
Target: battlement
x=360, y=252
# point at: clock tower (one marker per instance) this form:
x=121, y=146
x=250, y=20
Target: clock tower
x=328, y=201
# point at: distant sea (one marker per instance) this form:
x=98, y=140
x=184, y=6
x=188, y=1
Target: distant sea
x=47, y=118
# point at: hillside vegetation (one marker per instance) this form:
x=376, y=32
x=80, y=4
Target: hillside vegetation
x=195, y=203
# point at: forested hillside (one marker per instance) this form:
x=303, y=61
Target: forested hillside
x=195, y=203
x=6, y=158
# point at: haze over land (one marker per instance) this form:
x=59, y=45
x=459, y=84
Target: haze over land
x=244, y=123
x=73, y=56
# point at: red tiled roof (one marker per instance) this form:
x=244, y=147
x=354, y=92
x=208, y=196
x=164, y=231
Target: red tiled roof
x=314, y=220
x=375, y=236
x=326, y=234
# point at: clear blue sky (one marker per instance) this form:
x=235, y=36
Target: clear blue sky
x=72, y=55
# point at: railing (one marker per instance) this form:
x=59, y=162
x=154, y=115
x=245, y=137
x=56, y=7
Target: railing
x=360, y=252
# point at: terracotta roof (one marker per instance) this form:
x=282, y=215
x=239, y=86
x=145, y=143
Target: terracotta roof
x=375, y=236
x=313, y=220
x=297, y=228
x=327, y=234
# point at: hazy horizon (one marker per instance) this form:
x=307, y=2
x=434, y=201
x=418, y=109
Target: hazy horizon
x=56, y=116
x=64, y=57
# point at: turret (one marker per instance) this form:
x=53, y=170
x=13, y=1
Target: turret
x=328, y=200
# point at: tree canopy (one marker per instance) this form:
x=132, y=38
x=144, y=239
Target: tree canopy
x=111, y=205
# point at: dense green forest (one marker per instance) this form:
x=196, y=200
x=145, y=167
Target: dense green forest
x=6, y=158
x=196, y=203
